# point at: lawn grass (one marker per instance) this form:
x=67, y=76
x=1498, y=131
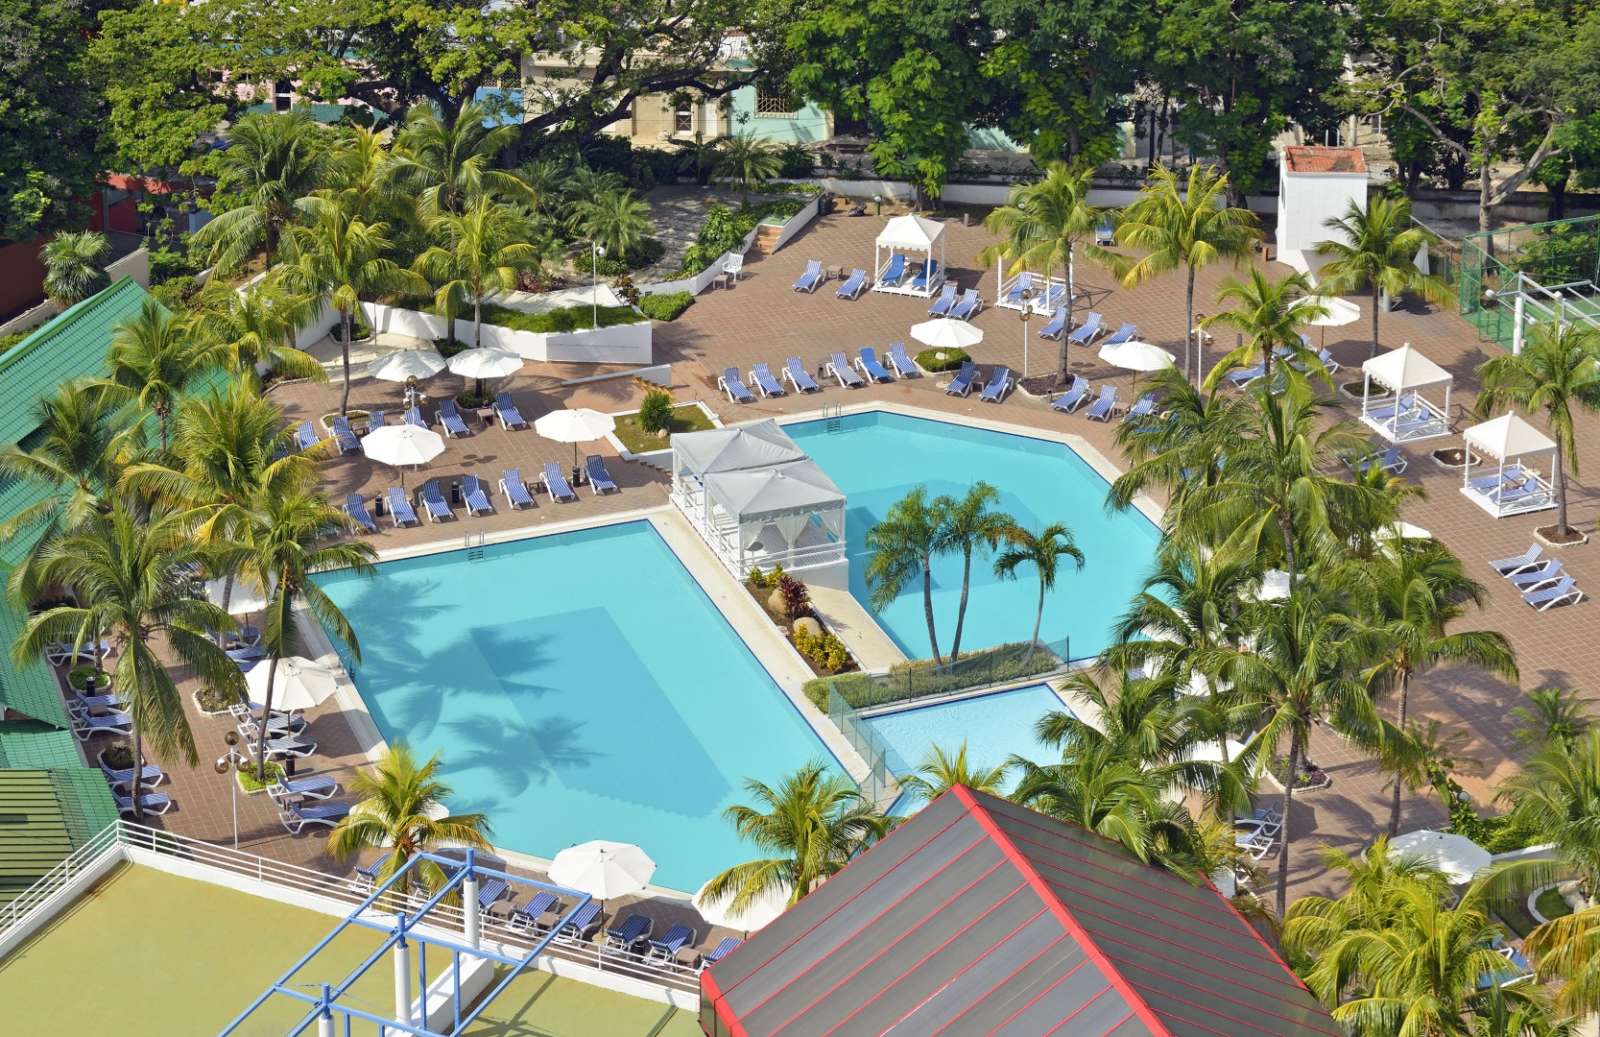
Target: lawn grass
x=686, y=417
x=1552, y=904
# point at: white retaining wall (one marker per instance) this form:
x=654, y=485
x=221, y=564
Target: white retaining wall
x=991, y=193
x=618, y=344
x=798, y=222
x=135, y=264
x=705, y=278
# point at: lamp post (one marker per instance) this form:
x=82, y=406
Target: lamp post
x=596, y=250
x=1027, y=314
x=229, y=761
x=1199, y=333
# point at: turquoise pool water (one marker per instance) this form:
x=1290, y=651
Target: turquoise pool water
x=576, y=686
x=878, y=457
x=995, y=727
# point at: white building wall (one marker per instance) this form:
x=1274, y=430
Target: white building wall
x=1306, y=201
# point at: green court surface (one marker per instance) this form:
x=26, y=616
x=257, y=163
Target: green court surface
x=148, y=953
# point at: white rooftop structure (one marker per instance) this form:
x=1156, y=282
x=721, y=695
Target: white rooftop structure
x=1315, y=185
x=919, y=244
x=1514, y=488
x=1400, y=413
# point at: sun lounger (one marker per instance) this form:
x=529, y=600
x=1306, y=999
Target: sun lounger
x=1329, y=364
x=581, y=924
x=852, y=285
x=971, y=302
x=244, y=711
x=1143, y=408
x=633, y=929
x=903, y=365
x=1123, y=334
x=555, y=484
x=1243, y=376
x=515, y=489
x=799, y=377
x=1053, y=294
x=247, y=654
x=1388, y=460
x=344, y=436
x=1073, y=398
x=1058, y=324
x=728, y=945
x=1104, y=233
x=999, y=384
x=1260, y=829
x=1100, y=409
x=490, y=890
x=298, y=816
x=376, y=419
x=811, y=277
x=400, y=510
x=1023, y=283
x=315, y=786
x=149, y=802
x=289, y=746
x=1538, y=575
x=476, y=496
x=433, y=502
x=449, y=417
x=600, y=480
x=149, y=775
x=366, y=875
x=1087, y=330
x=961, y=384
x=666, y=947
x=946, y=299
x=414, y=417
x=925, y=274
x=87, y=725
x=1257, y=847
x=1518, y=563
x=895, y=271
x=840, y=368
x=767, y=385
x=867, y=364
x=278, y=726
x=1566, y=589
x=62, y=653
x=82, y=703
x=356, y=508
x=305, y=437
x=527, y=918
x=507, y=413
x=731, y=384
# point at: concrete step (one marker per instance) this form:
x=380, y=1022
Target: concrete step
x=767, y=238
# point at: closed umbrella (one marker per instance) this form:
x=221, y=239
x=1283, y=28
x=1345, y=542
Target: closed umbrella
x=1456, y=856
x=944, y=333
x=602, y=869
x=574, y=426
x=756, y=915
x=298, y=683
x=1134, y=355
x=485, y=362
x=401, y=445
x=407, y=364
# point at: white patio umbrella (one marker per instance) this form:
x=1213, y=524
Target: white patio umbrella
x=1458, y=857
x=1336, y=313
x=1134, y=355
x=1274, y=585
x=246, y=596
x=298, y=683
x=602, y=869
x=756, y=915
x=485, y=362
x=406, y=364
x=400, y=445
x=574, y=426
x=944, y=333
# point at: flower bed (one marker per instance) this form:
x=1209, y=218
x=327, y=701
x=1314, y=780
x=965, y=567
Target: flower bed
x=821, y=649
x=246, y=777
x=923, y=678
x=686, y=417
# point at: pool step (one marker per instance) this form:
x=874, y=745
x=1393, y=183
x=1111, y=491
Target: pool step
x=473, y=542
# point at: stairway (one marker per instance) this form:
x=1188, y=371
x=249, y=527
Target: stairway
x=767, y=238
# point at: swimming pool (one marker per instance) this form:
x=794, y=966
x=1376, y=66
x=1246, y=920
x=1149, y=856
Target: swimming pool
x=878, y=457
x=576, y=686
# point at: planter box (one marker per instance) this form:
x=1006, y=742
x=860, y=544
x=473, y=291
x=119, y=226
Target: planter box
x=195, y=697
x=618, y=344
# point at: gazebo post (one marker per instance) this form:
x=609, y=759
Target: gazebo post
x=1394, y=419
x=1366, y=392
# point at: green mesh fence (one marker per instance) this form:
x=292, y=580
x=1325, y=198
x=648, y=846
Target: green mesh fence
x=1562, y=257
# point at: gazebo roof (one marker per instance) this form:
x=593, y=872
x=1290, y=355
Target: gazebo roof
x=1405, y=368
x=784, y=489
x=917, y=233
x=1507, y=436
x=760, y=445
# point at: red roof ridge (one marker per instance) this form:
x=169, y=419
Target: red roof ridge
x=1315, y=158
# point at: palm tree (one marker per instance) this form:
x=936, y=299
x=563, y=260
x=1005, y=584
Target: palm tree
x=1558, y=368
x=152, y=359
x=445, y=163
x=1183, y=223
x=74, y=265
x=483, y=249
x=1181, y=453
x=1556, y=795
x=1044, y=551
x=1376, y=248
x=77, y=452
x=1407, y=596
x=939, y=772
x=747, y=160
x=358, y=177
x=1042, y=223
x=613, y=219
x=966, y=525
x=273, y=161
x=400, y=806
x=340, y=258
x=131, y=574
x=284, y=536
x=901, y=547
x=1269, y=313
x=1567, y=950
x=1552, y=715
x=252, y=328
x=812, y=823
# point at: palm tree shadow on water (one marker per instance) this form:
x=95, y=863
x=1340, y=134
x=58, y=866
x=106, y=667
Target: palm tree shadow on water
x=517, y=755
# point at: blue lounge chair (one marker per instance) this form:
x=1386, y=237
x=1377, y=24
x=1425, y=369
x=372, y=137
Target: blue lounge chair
x=971, y=302
x=799, y=377
x=961, y=384
x=600, y=480
x=344, y=437
x=490, y=890
x=149, y=802
x=811, y=277
x=734, y=387
x=305, y=437
x=1245, y=375
x=853, y=284
x=946, y=299
x=999, y=384
x=366, y=876
x=451, y=418
x=315, y=786
x=925, y=274
x=356, y=508
x=414, y=417
x=85, y=726
x=1387, y=460
x=1142, y=408
x=1564, y=590
x=1073, y=398
x=867, y=364
x=376, y=419
x=80, y=703
x=247, y=653
x=1121, y=335
x=149, y=775
x=895, y=271
x=1053, y=294
x=633, y=929
x=1538, y=575
x=581, y=924
x=1518, y=563
x=400, y=510
x=761, y=374
x=515, y=489
x=1087, y=330
x=297, y=816
x=289, y=746
x=840, y=368
x=506, y=412
x=433, y=502
x=476, y=496
x=1058, y=324
x=526, y=919
x=728, y=945
x=1100, y=409
x=904, y=366
x=1023, y=283
x=666, y=947
x=555, y=484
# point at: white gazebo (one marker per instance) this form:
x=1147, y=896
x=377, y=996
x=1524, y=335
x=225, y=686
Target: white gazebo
x=1044, y=293
x=919, y=270
x=1400, y=413
x=1512, y=488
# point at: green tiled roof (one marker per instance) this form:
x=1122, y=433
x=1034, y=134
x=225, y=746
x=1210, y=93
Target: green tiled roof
x=29, y=690
x=34, y=834
x=27, y=745
x=86, y=803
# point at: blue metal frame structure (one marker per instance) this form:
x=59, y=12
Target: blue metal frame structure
x=325, y=1003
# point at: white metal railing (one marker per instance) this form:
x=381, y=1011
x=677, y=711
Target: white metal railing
x=120, y=835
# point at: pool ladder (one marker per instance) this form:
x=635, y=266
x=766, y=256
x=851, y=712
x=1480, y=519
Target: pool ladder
x=835, y=418
x=474, y=546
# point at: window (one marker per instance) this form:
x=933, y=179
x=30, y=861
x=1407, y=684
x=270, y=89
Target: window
x=282, y=95
x=775, y=104
x=683, y=119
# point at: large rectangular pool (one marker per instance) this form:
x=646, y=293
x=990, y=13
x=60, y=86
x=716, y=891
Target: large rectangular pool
x=576, y=686
x=878, y=457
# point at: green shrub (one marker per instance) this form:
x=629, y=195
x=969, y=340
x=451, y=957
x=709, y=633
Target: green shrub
x=626, y=290
x=214, y=700
x=935, y=360
x=118, y=756
x=247, y=777
x=449, y=347
x=363, y=330
x=166, y=264
x=7, y=341
x=922, y=677
x=824, y=651
x=795, y=162
x=758, y=579
x=568, y=318
x=655, y=413
x=175, y=292
x=667, y=306
x=79, y=677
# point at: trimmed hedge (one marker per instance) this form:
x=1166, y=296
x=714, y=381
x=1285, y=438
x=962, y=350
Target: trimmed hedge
x=929, y=359
x=667, y=306
x=923, y=678
x=568, y=318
